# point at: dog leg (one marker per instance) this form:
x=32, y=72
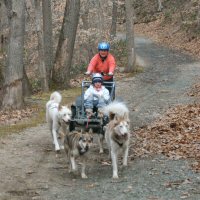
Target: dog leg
x=62, y=138
x=51, y=130
x=68, y=159
x=70, y=167
x=109, y=154
x=114, y=164
x=57, y=147
x=125, y=156
x=100, y=138
x=83, y=175
x=73, y=164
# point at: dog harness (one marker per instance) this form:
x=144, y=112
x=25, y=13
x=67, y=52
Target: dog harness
x=53, y=105
x=120, y=144
x=80, y=152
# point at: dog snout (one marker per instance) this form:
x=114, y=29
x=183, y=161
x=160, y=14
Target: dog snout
x=125, y=134
x=66, y=120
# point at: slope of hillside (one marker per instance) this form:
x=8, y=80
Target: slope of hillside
x=176, y=26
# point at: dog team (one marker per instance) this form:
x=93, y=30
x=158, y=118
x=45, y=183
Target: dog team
x=77, y=143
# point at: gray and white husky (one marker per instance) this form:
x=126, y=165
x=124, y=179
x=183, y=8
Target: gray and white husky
x=57, y=116
x=77, y=145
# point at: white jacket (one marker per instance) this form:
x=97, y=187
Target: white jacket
x=101, y=94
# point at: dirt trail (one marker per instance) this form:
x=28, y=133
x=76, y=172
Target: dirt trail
x=30, y=169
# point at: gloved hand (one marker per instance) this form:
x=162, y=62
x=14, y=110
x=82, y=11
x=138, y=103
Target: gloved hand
x=110, y=74
x=88, y=73
x=97, y=96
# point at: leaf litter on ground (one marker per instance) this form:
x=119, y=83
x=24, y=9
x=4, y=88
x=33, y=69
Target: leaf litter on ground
x=176, y=135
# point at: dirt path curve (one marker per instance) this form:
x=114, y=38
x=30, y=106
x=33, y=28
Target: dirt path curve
x=30, y=169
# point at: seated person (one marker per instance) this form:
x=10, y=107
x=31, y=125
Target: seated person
x=96, y=95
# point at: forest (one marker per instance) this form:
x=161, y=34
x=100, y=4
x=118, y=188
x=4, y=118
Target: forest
x=57, y=38
x=46, y=46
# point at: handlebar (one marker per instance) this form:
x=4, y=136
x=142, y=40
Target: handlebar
x=102, y=73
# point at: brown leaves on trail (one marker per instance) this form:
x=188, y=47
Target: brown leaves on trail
x=14, y=116
x=176, y=135
x=195, y=90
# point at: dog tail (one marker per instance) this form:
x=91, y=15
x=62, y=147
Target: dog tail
x=116, y=108
x=56, y=97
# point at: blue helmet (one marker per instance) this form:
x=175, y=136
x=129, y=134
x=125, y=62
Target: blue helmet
x=103, y=46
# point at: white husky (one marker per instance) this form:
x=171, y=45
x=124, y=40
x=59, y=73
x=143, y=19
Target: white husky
x=57, y=116
x=117, y=133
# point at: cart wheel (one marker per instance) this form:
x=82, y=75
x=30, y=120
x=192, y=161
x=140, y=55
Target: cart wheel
x=73, y=109
x=71, y=126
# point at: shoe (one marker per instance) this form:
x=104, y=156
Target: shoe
x=100, y=113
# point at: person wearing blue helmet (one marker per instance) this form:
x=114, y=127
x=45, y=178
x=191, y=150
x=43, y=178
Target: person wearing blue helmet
x=103, y=62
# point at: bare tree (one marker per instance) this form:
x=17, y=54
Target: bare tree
x=42, y=67
x=160, y=6
x=27, y=87
x=114, y=19
x=100, y=22
x=85, y=19
x=198, y=15
x=130, y=36
x=47, y=36
x=13, y=91
x=66, y=42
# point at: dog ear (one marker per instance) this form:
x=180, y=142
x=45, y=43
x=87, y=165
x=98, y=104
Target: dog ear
x=66, y=105
x=80, y=138
x=90, y=131
x=111, y=116
x=116, y=120
x=126, y=117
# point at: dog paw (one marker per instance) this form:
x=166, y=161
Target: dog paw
x=62, y=147
x=101, y=151
x=57, y=148
x=83, y=176
x=115, y=177
x=57, y=151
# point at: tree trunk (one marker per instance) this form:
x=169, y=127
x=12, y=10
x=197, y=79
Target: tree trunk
x=100, y=22
x=27, y=88
x=47, y=37
x=13, y=92
x=130, y=37
x=198, y=16
x=88, y=45
x=66, y=42
x=160, y=6
x=114, y=19
x=42, y=67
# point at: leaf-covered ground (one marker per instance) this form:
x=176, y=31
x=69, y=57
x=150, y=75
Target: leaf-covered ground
x=41, y=174
x=176, y=135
